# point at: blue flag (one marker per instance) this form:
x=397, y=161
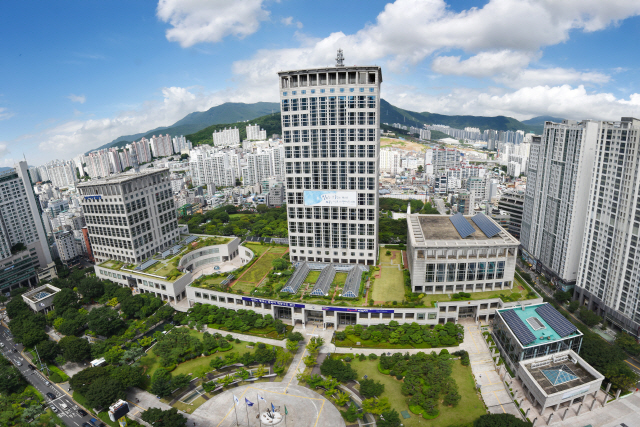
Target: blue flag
x=273, y=408
x=247, y=401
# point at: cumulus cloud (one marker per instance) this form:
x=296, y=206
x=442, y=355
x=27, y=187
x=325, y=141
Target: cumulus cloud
x=77, y=98
x=197, y=21
x=289, y=21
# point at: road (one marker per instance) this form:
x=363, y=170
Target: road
x=440, y=206
x=70, y=415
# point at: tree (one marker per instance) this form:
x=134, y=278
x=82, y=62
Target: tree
x=91, y=287
x=500, y=420
x=105, y=321
x=295, y=336
x=342, y=398
x=376, y=405
x=621, y=376
x=562, y=297
x=65, y=299
x=338, y=369
x=309, y=360
x=128, y=376
x=180, y=381
x=160, y=418
x=131, y=354
x=262, y=209
x=589, y=318
x=49, y=350
x=279, y=264
x=161, y=382
x=104, y=391
x=627, y=343
x=132, y=305
x=12, y=379
x=75, y=349
x=370, y=388
x=351, y=414
x=292, y=346
x=389, y=419
x=573, y=306
x=17, y=307
x=83, y=379
x=113, y=355
x=3, y=299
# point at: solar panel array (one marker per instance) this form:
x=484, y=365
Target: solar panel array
x=462, y=225
x=190, y=239
x=352, y=284
x=485, y=224
x=522, y=332
x=166, y=253
x=146, y=264
x=41, y=295
x=296, y=279
x=556, y=320
x=321, y=288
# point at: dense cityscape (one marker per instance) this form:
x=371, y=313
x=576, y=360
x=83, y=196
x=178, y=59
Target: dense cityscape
x=327, y=260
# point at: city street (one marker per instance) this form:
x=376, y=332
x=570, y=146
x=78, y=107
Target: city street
x=69, y=415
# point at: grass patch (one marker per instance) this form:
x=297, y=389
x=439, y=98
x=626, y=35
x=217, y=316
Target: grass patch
x=387, y=259
x=510, y=293
x=312, y=277
x=260, y=268
x=469, y=408
x=189, y=407
x=257, y=248
x=340, y=279
x=389, y=286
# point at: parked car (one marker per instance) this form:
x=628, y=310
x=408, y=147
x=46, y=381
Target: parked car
x=93, y=421
x=51, y=395
x=82, y=412
x=53, y=408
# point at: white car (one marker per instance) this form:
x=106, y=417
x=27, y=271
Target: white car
x=63, y=405
x=53, y=408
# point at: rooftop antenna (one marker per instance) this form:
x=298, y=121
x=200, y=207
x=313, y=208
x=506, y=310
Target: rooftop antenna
x=340, y=59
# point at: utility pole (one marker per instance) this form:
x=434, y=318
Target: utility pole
x=40, y=362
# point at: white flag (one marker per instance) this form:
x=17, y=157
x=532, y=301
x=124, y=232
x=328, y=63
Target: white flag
x=261, y=398
x=236, y=400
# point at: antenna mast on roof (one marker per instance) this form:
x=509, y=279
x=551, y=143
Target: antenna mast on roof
x=340, y=59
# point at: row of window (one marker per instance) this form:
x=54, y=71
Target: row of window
x=332, y=182
x=328, y=103
x=478, y=287
x=337, y=228
x=332, y=90
x=112, y=243
x=340, y=136
x=325, y=241
x=314, y=213
x=458, y=272
x=330, y=119
x=103, y=209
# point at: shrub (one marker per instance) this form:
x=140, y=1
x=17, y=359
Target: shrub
x=373, y=356
x=55, y=377
x=399, y=377
x=362, y=358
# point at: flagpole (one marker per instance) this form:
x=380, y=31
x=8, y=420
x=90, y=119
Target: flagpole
x=234, y=409
x=259, y=413
x=246, y=408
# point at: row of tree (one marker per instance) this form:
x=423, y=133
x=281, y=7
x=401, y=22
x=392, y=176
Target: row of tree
x=267, y=222
x=449, y=334
x=241, y=320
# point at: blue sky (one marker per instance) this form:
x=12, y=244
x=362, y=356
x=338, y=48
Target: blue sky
x=78, y=74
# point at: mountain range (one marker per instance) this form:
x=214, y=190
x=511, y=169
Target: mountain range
x=198, y=126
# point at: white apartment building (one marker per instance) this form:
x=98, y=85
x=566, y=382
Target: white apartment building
x=21, y=224
x=130, y=216
x=331, y=131
x=226, y=137
x=98, y=164
x=60, y=173
x=254, y=133
x=141, y=150
x=114, y=160
x=442, y=158
x=424, y=134
x=161, y=146
x=610, y=261
x=180, y=143
x=211, y=166
x=477, y=186
x=65, y=242
x=555, y=206
x=390, y=161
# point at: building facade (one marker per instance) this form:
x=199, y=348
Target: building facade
x=609, y=265
x=226, y=137
x=512, y=202
x=130, y=216
x=331, y=133
x=555, y=205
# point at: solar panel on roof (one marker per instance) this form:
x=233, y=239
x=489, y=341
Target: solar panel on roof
x=462, y=225
x=556, y=320
x=524, y=335
x=485, y=224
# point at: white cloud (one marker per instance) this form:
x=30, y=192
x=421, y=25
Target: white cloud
x=77, y=98
x=197, y=21
x=5, y=113
x=551, y=76
x=289, y=21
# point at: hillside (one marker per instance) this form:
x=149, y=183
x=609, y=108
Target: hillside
x=229, y=112
x=270, y=123
x=539, y=121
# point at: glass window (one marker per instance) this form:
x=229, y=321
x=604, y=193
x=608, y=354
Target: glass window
x=440, y=272
x=284, y=93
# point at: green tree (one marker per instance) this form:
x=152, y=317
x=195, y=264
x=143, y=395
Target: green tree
x=589, y=317
x=627, y=343
x=292, y=346
x=160, y=418
x=295, y=336
x=128, y=376
x=500, y=420
x=12, y=379
x=83, y=379
x=91, y=287
x=75, y=349
x=113, y=355
x=105, y=321
x=49, y=350
x=180, y=381
x=370, y=388
x=573, y=306
x=376, y=405
x=104, y=392
x=17, y=307
x=279, y=264
x=338, y=369
x=342, y=398
x=309, y=360
x=562, y=297
x=65, y=299
x=161, y=382
x=389, y=419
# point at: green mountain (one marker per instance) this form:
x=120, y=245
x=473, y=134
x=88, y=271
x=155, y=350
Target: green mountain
x=228, y=112
x=539, y=121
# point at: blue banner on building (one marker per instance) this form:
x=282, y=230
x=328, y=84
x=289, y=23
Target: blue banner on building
x=268, y=301
x=357, y=310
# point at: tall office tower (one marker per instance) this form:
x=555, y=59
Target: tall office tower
x=555, y=204
x=226, y=137
x=130, y=216
x=23, y=243
x=331, y=133
x=610, y=260
x=254, y=133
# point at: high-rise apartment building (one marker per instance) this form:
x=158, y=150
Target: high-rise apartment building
x=130, y=216
x=161, y=146
x=555, y=205
x=60, y=173
x=254, y=133
x=390, y=160
x=141, y=150
x=610, y=262
x=512, y=202
x=331, y=131
x=210, y=166
x=226, y=137
x=23, y=244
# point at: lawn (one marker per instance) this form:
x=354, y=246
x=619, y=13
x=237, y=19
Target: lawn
x=312, y=277
x=257, y=248
x=260, y=268
x=340, y=279
x=394, y=259
x=390, y=285
x=469, y=408
x=163, y=268
x=516, y=292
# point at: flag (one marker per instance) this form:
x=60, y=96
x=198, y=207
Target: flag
x=285, y=410
x=236, y=400
x=248, y=402
x=273, y=408
x=261, y=398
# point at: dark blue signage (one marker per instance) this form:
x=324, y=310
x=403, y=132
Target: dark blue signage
x=93, y=197
x=357, y=310
x=268, y=301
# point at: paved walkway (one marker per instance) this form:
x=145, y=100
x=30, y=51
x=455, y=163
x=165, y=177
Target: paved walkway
x=248, y=338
